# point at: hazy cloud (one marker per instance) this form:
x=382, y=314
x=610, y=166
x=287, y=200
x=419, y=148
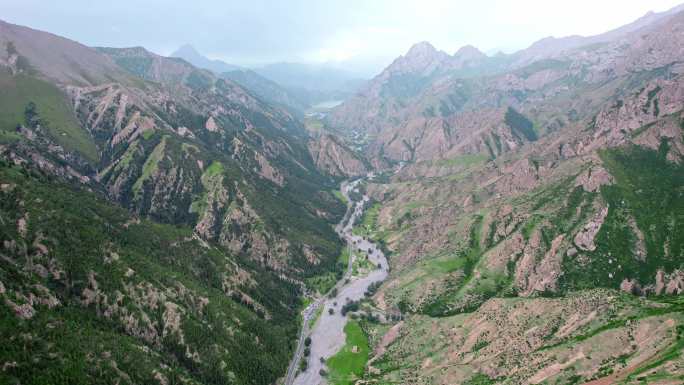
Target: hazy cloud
x=360, y=33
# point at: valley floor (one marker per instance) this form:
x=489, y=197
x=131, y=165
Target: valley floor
x=367, y=267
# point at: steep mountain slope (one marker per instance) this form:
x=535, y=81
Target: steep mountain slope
x=562, y=178
x=91, y=294
x=383, y=101
x=228, y=176
x=59, y=59
x=156, y=142
x=592, y=337
x=335, y=157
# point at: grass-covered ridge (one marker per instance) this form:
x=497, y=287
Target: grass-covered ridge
x=150, y=165
x=463, y=294
x=56, y=115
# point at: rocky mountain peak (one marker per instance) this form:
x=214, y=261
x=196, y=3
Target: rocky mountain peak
x=469, y=52
x=186, y=50
x=552, y=46
x=422, y=48
x=192, y=56
x=421, y=58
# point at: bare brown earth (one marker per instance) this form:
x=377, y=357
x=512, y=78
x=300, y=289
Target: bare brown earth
x=527, y=341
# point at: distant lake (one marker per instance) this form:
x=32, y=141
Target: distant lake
x=328, y=104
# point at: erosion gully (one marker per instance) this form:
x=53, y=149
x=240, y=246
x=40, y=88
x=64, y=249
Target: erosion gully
x=327, y=334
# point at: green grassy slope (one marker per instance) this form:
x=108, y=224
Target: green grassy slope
x=17, y=91
x=649, y=189
x=644, y=200
x=121, y=327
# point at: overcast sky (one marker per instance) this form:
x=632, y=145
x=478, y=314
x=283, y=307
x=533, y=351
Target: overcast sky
x=361, y=33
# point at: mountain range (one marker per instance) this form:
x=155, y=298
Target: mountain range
x=295, y=86
x=537, y=194
x=166, y=220
x=190, y=54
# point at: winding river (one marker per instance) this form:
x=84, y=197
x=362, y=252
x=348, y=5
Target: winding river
x=327, y=334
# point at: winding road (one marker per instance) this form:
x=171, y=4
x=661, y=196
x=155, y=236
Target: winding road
x=327, y=334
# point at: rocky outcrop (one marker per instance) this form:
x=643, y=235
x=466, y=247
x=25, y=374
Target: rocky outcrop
x=241, y=232
x=212, y=206
x=639, y=118
x=671, y=284
x=528, y=341
x=584, y=239
x=664, y=284
x=211, y=125
x=592, y=179
x=519, y=176
x=172, y=321
x=422, y=58
x=269, y=172
x=532, y=276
